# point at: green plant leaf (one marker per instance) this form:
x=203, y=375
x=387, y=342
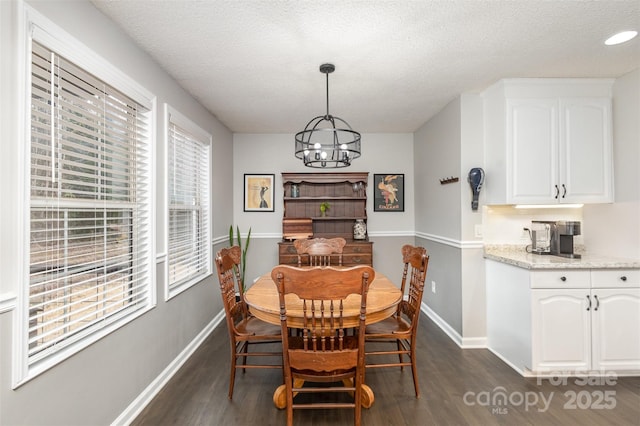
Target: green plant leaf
x=243, y=251
x=248, y=238
x=238, y=237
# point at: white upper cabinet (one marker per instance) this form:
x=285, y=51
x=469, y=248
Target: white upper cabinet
x=532, y=135
x=548, y=141
x=586, y=154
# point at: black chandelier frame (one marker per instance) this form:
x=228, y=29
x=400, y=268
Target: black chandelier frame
x=327, y=141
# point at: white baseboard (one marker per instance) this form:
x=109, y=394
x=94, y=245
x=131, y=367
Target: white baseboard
x=474, y=343
x=510, y=364
x=462, y=342
x=449, y=331
x=138, y=404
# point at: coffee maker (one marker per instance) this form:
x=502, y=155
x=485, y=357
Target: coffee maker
x=554, y=237
x=562, y=241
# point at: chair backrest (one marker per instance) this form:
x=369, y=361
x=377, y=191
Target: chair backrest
x=415, y=261
x=227, y=262
x=318, y=251
x=323, y=291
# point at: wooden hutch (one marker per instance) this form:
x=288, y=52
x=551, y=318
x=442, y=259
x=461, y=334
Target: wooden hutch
x=346, y=194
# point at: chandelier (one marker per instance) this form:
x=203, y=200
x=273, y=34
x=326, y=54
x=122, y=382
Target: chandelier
x=327, y=141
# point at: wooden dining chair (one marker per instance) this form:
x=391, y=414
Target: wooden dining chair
x=401, y=329
x=323, y=352
x=319, y=251
x=244, y=329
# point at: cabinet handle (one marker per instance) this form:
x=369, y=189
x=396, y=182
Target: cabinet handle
x=557, y=191
x=623, y=278
x=563, y=279
x=597, y=302
x=589, y=299
x=564, y=190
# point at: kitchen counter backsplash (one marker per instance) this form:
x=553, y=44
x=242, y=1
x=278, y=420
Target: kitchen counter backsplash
x=517, y=255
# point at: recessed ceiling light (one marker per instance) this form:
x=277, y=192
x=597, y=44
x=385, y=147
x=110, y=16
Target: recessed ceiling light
x=621, y=37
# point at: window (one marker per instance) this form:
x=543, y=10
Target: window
x=90, y=224
x=189, y=253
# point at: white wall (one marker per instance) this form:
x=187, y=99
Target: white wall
x=614, y=229
x=472, y=276
x=471, y=155
x=274, y=153
x=503, y=224
x=97, y=384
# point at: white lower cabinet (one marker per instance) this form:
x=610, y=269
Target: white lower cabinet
x=560, y=330
x=615, y=329
x=585, y=329
x=564, y=321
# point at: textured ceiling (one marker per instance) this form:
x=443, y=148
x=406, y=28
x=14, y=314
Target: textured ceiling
x=254, y=64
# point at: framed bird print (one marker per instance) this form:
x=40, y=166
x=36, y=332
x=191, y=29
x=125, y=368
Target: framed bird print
x=258, y=193
x=388, y=192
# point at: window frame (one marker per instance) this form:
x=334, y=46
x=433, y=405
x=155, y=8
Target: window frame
x=34, y=27
x=174, y=117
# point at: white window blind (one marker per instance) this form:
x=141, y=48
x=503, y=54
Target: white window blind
x=90, y=226
x=189, y=258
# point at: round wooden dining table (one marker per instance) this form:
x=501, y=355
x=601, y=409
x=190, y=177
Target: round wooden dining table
x=264, y=303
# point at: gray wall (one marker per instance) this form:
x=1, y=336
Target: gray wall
x=437, y=153
x=449, y=145
x=97, y=384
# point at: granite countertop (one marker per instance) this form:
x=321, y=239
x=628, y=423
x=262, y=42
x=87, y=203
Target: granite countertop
x=517, y=256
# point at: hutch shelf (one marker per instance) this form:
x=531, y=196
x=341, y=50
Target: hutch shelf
x=346, y=194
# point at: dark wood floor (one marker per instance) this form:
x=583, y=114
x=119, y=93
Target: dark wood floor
x=459, y=387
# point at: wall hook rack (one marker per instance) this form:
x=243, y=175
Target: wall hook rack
x=448, y=180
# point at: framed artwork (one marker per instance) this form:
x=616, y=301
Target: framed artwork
x=258, y=193
x=388, y=192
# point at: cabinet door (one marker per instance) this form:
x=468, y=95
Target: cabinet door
x=532, y=148
x=585, y=151
x=561, y=330
x=616, y=329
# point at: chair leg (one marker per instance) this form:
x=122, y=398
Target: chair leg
x=232, y=374
x=289, y=402
x=358, y=401
x=400, y=348
x=244, y=358
x=414, y=369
